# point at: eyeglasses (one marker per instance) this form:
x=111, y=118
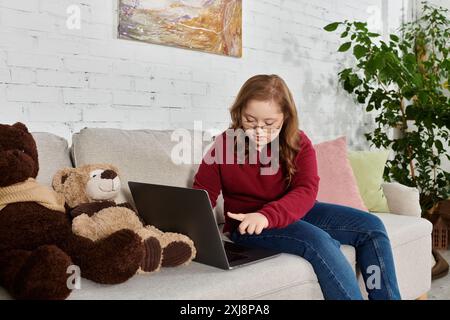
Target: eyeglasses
x=248, y=125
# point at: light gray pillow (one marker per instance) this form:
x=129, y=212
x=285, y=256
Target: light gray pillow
x=401, y=199
x=53, y=154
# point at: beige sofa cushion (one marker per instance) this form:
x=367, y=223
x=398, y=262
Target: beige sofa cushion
x=284, y=277
x=53, y=153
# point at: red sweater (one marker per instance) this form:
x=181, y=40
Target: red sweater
x=245, y=190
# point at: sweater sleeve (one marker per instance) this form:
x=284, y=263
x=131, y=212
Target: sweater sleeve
x=302, y=193
x=208, y=177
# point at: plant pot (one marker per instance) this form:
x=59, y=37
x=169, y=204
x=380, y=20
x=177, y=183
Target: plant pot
x=443, y=208
x=441, y=232
x=440, y=268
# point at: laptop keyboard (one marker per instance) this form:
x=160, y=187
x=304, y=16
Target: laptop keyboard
x=234, y=251
x=233, y=247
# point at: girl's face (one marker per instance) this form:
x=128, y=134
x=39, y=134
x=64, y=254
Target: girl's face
x=262, y=121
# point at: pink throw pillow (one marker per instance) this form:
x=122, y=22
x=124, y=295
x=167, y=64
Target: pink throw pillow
x=337, y=182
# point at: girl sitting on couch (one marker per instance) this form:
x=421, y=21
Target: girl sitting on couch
x=279, y=210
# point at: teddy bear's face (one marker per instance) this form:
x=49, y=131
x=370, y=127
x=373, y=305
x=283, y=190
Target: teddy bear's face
x=18, y=154
x=103, y=184
x=95, y=182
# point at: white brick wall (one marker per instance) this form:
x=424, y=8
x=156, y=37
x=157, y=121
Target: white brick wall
x=60, y=80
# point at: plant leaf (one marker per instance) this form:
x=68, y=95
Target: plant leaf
x=360, y=25
x=394, y=38
x=439, y=145
x=344, y=47
x=359, y=51
x=332, y=26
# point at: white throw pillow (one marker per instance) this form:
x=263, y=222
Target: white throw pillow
x=402, y=199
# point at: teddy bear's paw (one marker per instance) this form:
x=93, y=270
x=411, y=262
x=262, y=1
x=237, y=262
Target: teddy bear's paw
x=114, y=259
x=85, y=226
x=152, y=256
x=44, y=275
x=176, y=253
x=154, y=230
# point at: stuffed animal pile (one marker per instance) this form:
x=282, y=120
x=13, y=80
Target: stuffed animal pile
x=90, y=192
x=37, y=245
x=43, y=232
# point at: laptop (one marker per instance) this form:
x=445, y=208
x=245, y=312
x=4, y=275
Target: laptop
x=189, y=211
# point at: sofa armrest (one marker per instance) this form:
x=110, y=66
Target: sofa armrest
x=401, y=199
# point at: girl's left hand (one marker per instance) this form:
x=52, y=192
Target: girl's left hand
x=251, y=223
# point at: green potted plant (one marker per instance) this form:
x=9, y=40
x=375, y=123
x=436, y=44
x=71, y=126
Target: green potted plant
x=405, y=81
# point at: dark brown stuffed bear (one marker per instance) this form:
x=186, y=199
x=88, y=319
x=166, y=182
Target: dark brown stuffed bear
x=37, y=245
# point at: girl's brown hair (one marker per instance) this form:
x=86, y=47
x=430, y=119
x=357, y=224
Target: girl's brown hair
x=272, y=88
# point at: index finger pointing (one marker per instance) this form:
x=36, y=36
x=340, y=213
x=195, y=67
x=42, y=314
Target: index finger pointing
x=236, y=216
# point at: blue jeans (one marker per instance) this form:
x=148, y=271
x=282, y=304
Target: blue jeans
x=317, y=238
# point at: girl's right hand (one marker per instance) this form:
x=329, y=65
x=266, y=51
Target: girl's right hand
x=253, y=222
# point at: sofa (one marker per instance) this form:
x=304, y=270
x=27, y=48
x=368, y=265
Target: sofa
x=144, y=155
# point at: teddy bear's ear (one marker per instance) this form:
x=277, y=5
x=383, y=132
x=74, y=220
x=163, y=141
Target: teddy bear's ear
x=60, y=178
x=20, y=126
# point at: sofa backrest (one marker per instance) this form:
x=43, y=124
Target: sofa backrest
x=140, y=155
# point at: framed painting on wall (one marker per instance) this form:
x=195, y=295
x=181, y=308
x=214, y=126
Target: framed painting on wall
x=213, y=26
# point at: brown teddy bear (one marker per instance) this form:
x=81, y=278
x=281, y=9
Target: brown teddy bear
x=37, y=245
x=91, y=192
